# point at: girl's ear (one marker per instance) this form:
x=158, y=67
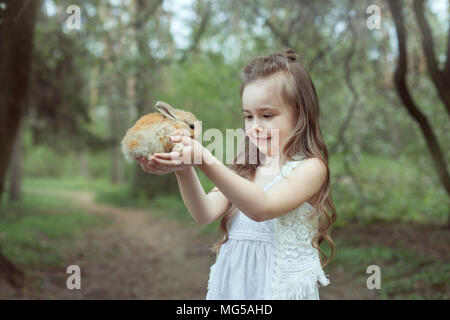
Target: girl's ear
x=166, y=109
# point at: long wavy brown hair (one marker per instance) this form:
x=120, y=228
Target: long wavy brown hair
x=299, y=93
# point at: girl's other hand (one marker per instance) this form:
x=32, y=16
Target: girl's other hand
x=192, y=150
x=162, y=163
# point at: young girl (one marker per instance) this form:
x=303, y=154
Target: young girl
x=272, y=222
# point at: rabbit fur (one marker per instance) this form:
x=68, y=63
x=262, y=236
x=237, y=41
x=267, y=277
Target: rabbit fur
x=151, y=133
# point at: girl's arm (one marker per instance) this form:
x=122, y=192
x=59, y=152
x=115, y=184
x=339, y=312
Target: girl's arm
x=244, y=194
x=204, y=208
x=304, y=182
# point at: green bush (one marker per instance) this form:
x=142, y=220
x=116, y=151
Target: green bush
x=388, y=190
x=42, y=160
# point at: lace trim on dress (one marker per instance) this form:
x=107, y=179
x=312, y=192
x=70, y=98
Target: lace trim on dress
x=297, y=268
x=296, y=286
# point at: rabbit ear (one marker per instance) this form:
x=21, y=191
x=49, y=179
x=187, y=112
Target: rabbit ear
x=166, y=109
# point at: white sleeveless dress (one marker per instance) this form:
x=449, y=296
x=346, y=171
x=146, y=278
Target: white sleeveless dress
x=269, y=260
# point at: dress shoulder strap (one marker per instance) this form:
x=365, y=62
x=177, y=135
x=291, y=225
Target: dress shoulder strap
x=290, y=165
x=286, y=169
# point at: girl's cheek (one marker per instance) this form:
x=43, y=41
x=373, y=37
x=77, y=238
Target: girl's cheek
x=272, y=130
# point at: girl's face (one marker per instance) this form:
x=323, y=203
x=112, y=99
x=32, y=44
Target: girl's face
x=265, y=115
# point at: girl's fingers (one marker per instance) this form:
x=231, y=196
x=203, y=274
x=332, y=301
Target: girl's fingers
x=186, y=141
x=167, y=156
x=148, y=166
x=144, y=167
x=167, y=163
x=161, y=166
x=154, y=166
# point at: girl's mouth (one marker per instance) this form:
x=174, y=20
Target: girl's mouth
x=262, y=139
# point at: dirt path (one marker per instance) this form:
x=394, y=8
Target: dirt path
x=160, y=258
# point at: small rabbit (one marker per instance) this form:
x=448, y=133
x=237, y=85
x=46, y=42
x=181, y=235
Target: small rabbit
x=151, y=133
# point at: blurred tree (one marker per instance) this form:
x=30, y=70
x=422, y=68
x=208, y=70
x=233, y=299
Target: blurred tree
x=16, y=31
x=149, y=69
x=112, y=87
x=58, y=113
x=441, y=80
x=15, y=169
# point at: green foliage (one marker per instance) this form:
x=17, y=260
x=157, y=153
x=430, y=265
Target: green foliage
x=381, y=169
x=44, y=161
x=58, y=94
x=121, y=196
x=388, y=190
x=72, y=183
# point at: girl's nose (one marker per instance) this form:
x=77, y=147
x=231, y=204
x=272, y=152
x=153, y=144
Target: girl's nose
x=257, y=127
x=258, y=130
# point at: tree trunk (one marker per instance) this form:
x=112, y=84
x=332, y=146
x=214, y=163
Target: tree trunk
x=115, y=127
x=16, y=169
x=14, y=275
x=114, y=92
x=16, y=32
x=16, y=47
x=149, y=184
x=410, y=105
x=84, y=165
x=438, y=77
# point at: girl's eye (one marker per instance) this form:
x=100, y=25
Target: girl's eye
x=267, y=116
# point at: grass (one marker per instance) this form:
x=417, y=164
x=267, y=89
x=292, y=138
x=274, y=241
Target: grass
x=404, y=274
x=39, y=230
x=76, y=183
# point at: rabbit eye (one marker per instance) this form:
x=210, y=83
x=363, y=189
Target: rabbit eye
x=191, y=126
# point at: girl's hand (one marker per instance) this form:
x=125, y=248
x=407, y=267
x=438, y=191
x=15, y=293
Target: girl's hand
x=162, y=163
x=191, y=152
x=157, y=166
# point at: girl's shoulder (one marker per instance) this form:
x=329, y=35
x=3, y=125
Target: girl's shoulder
x=301, y=158
x=291, y=164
